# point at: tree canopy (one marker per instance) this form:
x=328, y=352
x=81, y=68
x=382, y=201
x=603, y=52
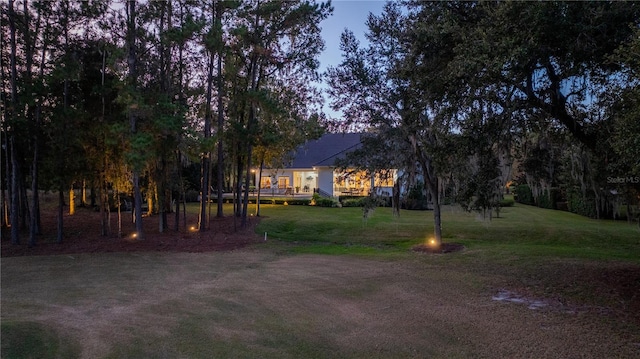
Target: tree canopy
x=121, y=97
x=476, y=94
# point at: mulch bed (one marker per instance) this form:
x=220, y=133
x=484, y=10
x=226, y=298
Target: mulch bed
x=82, y=234
x=443, y=248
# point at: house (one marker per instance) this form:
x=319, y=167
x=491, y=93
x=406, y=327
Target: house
x=313, y=169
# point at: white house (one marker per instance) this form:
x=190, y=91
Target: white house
x=313, y=169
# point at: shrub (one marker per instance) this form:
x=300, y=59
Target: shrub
x=523, y=195
x=416, y=198
x=549, y=198
x=544, y=201
x=326, y=202
x=299, y=202
x=579, y=204
x=507, y=202
x=353, y=202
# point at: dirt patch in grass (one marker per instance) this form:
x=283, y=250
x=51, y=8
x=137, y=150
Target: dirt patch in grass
x=258, y=304
x=611, y=289
x=82, y=234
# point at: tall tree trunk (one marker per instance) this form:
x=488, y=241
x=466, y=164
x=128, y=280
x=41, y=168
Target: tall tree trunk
x=437, y=217
x=83, y=194
x=179, y=191
x=162, y=198
x=105, y=210
x=4, y=158
x=259, y=185
x=34, y=229
x=61, y=155
x=209, y=195
x=34, y=226
x=431, y=181
x=24, y=204
x=132, y=62
x=180, y=103
x=206, y=157
x=13, y=192
x=431, y=184
x=118, y=204
x=151, y=197
x=72, y=201
x=238, y=182
x=256, y=75
x=137, y=199
x=247, y=183
x=60, y=214
x=165, y=68
x=220, y=184
x=7, y=177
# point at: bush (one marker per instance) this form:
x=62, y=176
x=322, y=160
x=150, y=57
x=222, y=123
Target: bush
x=507, y=202
x=523, y=195
x=326, y=202
x=577, y=203
x=416, y=198
x=549, y=198
x=299, y=202
x=544, y=200
x=353, y=202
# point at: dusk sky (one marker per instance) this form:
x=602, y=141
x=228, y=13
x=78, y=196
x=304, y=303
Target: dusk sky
x=347, y=14
x=350, y=14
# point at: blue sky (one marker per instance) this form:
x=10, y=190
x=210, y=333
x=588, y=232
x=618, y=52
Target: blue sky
x=351, y=14
x=347, y=14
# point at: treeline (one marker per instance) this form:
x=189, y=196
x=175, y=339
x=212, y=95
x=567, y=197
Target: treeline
x=121, y=96
x=468, y=96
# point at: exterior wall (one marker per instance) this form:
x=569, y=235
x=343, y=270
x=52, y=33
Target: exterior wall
x=325, y=179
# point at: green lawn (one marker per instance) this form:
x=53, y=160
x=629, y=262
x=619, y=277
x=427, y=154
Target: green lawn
x=520, y=230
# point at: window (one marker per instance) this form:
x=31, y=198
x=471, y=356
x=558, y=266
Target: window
x=283, y=182
x=265, y=182
x=385, y=178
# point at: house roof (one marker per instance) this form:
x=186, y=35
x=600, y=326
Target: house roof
x=325, y=150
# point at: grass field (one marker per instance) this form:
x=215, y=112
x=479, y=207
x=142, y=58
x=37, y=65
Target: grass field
x=328, y=284
x=522, y=230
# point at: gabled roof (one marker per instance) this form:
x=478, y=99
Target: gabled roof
x=325, y=150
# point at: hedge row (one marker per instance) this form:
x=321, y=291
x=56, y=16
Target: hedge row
x=552, y=199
